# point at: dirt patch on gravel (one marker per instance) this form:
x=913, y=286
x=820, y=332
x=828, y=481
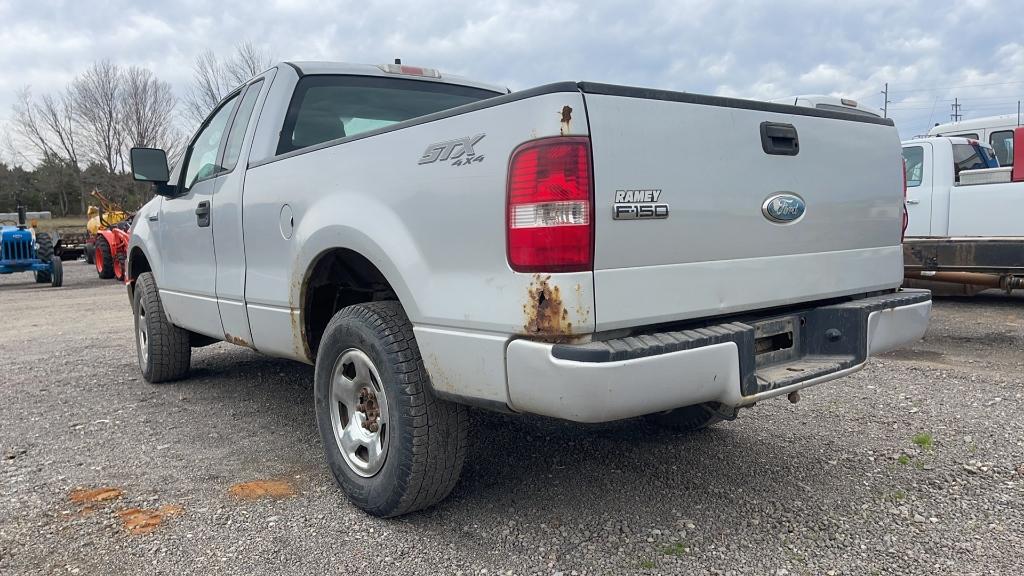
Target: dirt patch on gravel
x=94, y=495
x=274, y=489
x=141, y=521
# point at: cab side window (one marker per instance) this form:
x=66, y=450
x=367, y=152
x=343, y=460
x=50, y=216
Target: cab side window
x=1002, y=143
x=201, y=162
x=914, y=157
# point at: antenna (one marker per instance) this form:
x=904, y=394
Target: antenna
x=956, y=115
x=885, y=101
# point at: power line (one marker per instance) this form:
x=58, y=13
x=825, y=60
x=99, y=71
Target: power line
x=935, y=89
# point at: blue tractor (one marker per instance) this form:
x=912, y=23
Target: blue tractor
x=22, y=249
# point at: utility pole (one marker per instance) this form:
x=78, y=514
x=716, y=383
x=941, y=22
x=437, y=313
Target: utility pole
x=956, y=116
x=885, y=101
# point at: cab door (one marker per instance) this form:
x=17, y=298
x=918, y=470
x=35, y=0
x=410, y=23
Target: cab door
x=919, y=163
x=188, y=286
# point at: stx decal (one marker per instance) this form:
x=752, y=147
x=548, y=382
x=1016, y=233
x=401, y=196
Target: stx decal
x=460, y=150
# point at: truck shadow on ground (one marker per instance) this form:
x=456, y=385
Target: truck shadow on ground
x=533, y=465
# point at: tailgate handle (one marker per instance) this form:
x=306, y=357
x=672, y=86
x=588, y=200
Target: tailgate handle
x=779, y=139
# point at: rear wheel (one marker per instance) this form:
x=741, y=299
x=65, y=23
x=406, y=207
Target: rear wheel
x=163, y=348
x=104, y=258
x=44, y=252
x=691, y=418
x=90, y=248
x=392, y=446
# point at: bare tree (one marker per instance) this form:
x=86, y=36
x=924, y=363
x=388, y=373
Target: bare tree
x=27, y=124
x=213, y=77
x=147, y=111
x=97, y=94
x=49, y=127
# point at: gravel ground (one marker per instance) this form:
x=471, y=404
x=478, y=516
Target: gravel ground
x=912, y=466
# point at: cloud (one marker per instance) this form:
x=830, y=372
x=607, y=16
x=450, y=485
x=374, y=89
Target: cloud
x=929, y=52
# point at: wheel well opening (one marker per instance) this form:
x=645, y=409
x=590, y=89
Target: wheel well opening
x=340, y=278
x=137, y=264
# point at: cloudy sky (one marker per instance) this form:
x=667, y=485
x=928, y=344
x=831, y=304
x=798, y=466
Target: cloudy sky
x=928, y=51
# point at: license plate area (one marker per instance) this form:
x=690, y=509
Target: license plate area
x=777, y=340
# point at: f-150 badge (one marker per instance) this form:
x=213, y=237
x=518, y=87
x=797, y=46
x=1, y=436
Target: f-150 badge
x=639, y=205
x=460, y=151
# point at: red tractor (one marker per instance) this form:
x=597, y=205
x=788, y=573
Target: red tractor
x=110, y=238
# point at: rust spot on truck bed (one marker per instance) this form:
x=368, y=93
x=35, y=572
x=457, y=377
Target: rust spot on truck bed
x=566, y=120
x=544, y=312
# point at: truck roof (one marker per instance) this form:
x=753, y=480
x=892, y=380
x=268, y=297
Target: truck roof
x=826, y=102
x=950, y=139
x=1000, y=121
x=318, y=67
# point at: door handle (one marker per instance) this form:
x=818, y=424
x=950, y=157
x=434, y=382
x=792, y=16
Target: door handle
x=203, y=214
x=913, y=201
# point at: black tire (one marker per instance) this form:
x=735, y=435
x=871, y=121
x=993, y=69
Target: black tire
x=427, y=437
x=105, y=264
x=690, y=418
x=164, y=354
x=45, y=253
x=89, y=249
x=57, y=272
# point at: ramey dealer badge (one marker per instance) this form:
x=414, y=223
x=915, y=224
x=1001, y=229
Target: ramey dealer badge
x=639, y=205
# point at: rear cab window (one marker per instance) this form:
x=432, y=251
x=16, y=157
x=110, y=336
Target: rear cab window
x=972, y=157
x=328, y=107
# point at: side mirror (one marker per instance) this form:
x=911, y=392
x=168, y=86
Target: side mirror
x=150, y=165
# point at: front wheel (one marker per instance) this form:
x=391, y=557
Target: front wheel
x=392, y=446
x=56, y=272
x=163, y=348
x=104, y=259
x=44, y=252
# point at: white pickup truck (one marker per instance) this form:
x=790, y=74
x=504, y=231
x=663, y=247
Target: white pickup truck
x=581, y=251
x=964, y=210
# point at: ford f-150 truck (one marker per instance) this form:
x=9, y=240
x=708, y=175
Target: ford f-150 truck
x=583, y=251
x=965, y=232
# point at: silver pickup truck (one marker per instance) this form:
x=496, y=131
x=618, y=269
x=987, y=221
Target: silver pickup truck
x=582, y=251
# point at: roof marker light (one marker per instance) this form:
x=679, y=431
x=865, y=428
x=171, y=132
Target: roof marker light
x=409, y=70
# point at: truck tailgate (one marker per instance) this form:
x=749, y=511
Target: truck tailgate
x=717, y=251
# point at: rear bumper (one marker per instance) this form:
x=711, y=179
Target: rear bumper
x=997, y=255
x=735, y=363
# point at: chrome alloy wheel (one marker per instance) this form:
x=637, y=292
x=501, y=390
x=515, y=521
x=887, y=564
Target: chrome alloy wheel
x=359, y=412
x=143, y=338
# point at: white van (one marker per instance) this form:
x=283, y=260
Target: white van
x=996, y=130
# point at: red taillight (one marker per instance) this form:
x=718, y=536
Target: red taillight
x=906, y=216
x=549, y=220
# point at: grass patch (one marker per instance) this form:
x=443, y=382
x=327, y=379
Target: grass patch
x=903, y=459
x=677, y=549
x=924, y=440
x=647, y=564
x=899, y=495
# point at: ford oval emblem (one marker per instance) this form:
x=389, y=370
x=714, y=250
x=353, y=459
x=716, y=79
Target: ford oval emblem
x=783, y=208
